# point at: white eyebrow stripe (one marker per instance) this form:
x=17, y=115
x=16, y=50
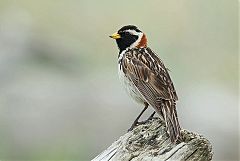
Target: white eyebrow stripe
x=133, y=32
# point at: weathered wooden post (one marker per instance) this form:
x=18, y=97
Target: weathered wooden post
x=150, y=142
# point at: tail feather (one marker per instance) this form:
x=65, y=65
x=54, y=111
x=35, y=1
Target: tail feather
x=170, y=116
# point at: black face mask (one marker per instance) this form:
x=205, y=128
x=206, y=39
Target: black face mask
x=126, y=40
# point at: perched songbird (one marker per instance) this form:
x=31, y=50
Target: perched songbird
x=145, y=77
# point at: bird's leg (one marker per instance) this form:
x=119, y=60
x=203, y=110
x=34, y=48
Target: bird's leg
x=135, y=123
x=151, y=116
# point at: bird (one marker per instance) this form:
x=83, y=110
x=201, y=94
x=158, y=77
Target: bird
x=146, y=79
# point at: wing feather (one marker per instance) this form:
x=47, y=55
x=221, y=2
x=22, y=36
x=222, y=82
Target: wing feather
x=148, y=73
x=151, y=78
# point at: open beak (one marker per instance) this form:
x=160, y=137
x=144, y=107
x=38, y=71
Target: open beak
x=115, y=36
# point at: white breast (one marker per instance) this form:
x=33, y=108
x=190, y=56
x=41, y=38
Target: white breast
x=129, y=86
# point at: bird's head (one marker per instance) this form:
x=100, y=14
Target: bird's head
x=129, y=37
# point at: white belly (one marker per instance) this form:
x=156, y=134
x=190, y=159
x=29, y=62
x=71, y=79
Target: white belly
x=130, y=88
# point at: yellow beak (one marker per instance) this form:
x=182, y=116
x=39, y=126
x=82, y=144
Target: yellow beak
x=115, y=36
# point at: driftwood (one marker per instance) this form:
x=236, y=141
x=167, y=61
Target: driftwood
x=150, y=142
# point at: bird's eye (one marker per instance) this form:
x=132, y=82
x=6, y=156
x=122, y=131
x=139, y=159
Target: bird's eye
x=126, y=33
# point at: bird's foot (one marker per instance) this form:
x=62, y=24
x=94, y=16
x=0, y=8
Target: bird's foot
x=151, y=116
x=137, y=123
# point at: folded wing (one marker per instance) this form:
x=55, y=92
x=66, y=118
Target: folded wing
x=151, y=78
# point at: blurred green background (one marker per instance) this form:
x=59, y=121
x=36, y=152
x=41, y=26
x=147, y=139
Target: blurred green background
x=60, y=97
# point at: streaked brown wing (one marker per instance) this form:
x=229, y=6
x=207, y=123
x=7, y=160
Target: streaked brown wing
x=151, y=78
x=149, y=75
